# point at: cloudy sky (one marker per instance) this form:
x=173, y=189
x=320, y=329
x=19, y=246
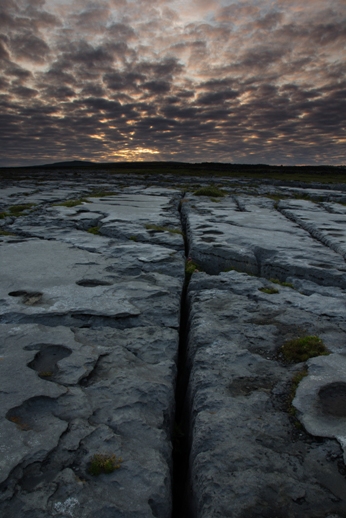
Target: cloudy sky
x=185, y=80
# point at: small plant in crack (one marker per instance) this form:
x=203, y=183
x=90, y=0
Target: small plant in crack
x=297, y=378
x=191, y=267
x=211, y=191
x=71, y=203
x=17, y=210
x=301, y=349
x=286, y=284
x=45, y=374
x=104, y=463
x=268, y=290
x=5, y=233
x=94, y=230
x=158, y=228
x=102, y=194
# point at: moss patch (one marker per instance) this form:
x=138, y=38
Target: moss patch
x=301, y=349
x=101, y=194
x=158, y=228
x=17, y=210
x=71, y=203
x=94, y=230
x=5, y=233
x=286, y=284
x=212, y=191
x=268, y=290
x=101, y=463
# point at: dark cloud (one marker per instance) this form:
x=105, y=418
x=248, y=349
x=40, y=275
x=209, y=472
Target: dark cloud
x=198, y=81
x=30, y=47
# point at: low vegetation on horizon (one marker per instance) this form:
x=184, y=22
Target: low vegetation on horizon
x=321, y=173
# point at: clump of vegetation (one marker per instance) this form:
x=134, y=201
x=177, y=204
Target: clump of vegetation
x=101, y=194
x=215, y=200
x=212, y=191
x=3, y=215
x=286, y=284
x=103, y=463
x=17, y=210
x=133, y=238
x=94, y=230
x=45, y=374
x=5, y=233
x=158, y=228
x=71, y=203
x=301, y=349
x=269, y=290
x=191, y=267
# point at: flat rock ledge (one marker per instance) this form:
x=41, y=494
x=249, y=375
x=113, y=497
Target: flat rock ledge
x=110, y=348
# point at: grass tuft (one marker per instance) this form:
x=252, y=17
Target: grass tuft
x=101, y=194
x=158, y=228
x=71, y=203
x=301, y=349
x=102, y=463
x=268, y=290
x=286, y=284
x=94, y=230
x=212, y=191
x=17, y=210
x=5, y=233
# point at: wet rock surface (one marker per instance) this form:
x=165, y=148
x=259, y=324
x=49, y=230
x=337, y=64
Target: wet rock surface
x=109, y=348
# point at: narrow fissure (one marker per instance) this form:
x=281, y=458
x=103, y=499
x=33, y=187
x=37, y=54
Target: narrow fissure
x=181, y=446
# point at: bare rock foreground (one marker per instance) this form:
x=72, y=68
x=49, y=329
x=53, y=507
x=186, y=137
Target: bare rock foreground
x=110, y=350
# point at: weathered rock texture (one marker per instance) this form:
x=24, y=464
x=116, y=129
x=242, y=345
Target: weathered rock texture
x=95, y=327
x=89, y=346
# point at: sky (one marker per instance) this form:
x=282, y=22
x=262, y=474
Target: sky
x=260, y=81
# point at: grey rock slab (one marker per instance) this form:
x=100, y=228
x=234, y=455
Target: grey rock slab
x=52, y=278
x=321, y=398
x=329, y=228
x=257, y=239
x=126, y=216
x=247, y=458
x=125, y=407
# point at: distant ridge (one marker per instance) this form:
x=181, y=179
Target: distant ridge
x=70, y=163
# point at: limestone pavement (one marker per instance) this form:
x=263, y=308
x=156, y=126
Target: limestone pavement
x=98, y=358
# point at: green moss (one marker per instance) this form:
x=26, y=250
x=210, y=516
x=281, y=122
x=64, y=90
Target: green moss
x=3, y=215
x=158, y=228
x=101, y=463
x=268, y=290
x=94, y=230
x=212, y=191
x=45, y=374
x=191, y=267
x=286, y=284
x=301, y=349
x=71, y=203
x=5, y=233
x=215, y=200
x=101, y=194
x=133, y=238
x=17, y=210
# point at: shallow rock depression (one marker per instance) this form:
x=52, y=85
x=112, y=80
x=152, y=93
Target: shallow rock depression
x=143, y=363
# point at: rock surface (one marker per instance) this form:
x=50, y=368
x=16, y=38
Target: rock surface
x=103, y=350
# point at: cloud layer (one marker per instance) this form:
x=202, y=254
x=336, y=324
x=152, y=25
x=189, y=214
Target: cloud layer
x=197, y=80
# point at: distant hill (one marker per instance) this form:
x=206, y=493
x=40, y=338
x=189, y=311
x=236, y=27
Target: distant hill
x=71, y=163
